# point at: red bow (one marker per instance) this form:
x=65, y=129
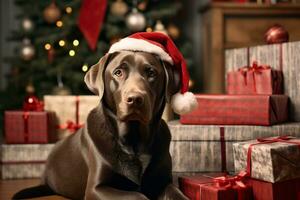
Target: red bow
x=229, y=182
x=71, y=126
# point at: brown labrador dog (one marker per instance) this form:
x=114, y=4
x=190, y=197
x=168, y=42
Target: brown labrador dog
x=123, y=151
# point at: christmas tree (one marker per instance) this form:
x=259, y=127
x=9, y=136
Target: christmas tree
x=56, y=47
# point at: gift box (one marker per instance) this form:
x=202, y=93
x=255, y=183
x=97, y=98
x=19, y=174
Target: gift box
x=29, y=127
x=209, y=148
x=70, y=111
x=238, y=110
x=270, y=159
x=283, y=57
x=214, y=187
x=256, y=79
x=23, y=160
x=275, y=191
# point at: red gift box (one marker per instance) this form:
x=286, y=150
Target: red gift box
x=238, y=110
x=275, y=191
x=255, y=80
x=29, y=127
x=212, y=187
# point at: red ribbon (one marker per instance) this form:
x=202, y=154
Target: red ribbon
x=25, y=120
x=255, y=68
x=71, y=125
x=284, y=139
x=32, y=103
x=230, y=182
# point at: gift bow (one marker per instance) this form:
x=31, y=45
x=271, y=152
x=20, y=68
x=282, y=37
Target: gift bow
x=255, y=68
x=284, y=139
x=71, y=126
x=229, y=182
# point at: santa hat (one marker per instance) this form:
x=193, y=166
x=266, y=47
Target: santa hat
x=162, y=46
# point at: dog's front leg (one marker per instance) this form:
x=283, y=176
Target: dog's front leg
x=109, y=193
x=171, y=192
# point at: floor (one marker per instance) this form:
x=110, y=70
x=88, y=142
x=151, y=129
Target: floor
x=9, y=187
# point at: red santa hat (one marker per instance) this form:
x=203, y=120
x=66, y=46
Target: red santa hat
x=162, y=46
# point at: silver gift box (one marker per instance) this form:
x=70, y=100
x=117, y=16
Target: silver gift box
x=23, y=160
x=271, y=162
x=197, y=148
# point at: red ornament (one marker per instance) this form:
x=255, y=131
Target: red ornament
x=276, y=34
x=50, y=55
x=32, y=103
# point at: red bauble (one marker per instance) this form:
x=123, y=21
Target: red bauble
x=276, y=34
x=32, y=103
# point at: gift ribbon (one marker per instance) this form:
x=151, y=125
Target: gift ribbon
x=255, y=68
x=25, y=121
x=223, y=149
x=71, y=125
x=227, y=182
x=284, y=139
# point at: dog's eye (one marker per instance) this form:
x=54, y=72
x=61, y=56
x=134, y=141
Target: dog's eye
x=118, y=73
x=151, y=72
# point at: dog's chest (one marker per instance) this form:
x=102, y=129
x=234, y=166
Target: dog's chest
x=133, y=166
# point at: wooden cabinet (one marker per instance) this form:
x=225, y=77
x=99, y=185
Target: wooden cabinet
x=233, y=25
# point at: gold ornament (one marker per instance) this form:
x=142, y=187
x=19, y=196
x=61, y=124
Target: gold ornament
x=30, y=88
x=27, y=50
x=135, y=21
x=51, y=13
x=61, y=90
x=159, y=27
x=119, y=8
x=173, y=31
x=149, y=29
x=27, y=24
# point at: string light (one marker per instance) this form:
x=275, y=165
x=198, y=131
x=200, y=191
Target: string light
x=47, y=46
x=61, y=43
x=75, y=43
x=68, y=10
x=72, y=53
x=85, y=67
x=59, y=23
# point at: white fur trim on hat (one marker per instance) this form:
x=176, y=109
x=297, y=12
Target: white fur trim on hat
x=132, y=44
x=183, y=103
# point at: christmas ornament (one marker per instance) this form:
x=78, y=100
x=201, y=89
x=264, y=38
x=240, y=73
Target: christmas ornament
x=31, y=102
x=50, y=55
x=276, y=34
x=149, y=29
x=173, y=31
x=161, y=45
x=51, y=13
x=119, y=8
x=142, y=5
x=60, y=89
x=191, y=83
x=91, y=17
x=69, y=10
x=159, y=27
x=27, y=50
x=135, y=20
x=27, y=24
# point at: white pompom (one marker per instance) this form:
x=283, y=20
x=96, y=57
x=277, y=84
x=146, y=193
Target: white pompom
x=183, y=103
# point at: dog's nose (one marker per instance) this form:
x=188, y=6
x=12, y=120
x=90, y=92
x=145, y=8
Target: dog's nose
x=135, y=99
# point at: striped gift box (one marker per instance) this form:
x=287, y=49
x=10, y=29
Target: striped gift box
x=23, y=160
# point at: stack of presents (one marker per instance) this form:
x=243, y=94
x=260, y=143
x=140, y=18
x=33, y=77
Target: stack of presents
x=30, y=133
x=242, y=145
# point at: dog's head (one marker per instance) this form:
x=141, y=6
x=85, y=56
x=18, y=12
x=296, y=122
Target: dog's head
x=134, y=85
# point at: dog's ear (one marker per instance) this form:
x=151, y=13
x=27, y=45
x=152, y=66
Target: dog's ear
x=172, y=80
x=94, y=77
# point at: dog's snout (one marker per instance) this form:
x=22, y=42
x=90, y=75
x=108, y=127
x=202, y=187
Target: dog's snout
x=135, y=99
